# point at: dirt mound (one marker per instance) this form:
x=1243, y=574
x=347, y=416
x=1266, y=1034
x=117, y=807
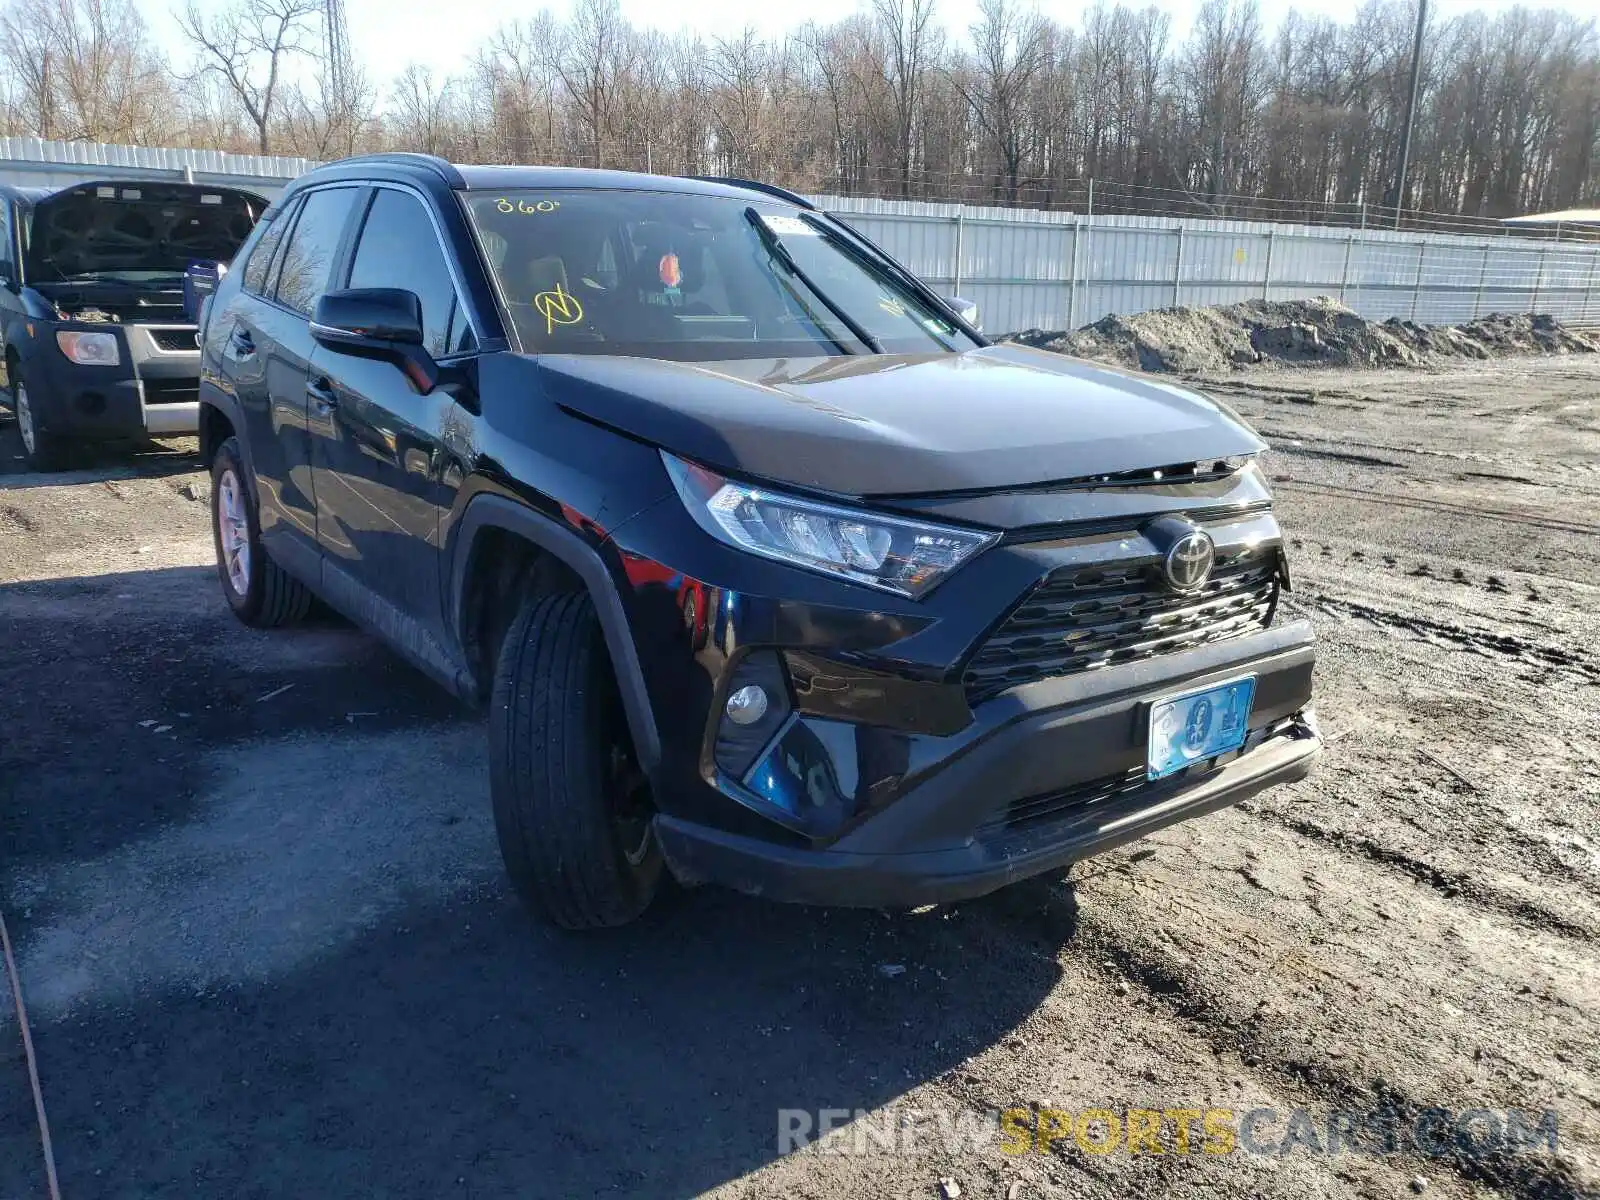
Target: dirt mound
x=1299, y=333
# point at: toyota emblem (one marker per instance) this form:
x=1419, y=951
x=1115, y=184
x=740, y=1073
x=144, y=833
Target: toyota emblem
x=1188, y=562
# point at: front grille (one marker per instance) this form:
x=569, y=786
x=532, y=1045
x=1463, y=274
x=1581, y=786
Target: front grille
x=1071, y=801
x=1034, y=809
x=175, y=339
x=1085, y=617
x=171, y=391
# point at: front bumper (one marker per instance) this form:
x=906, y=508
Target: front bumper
x=153, y=390
x=1053, y=780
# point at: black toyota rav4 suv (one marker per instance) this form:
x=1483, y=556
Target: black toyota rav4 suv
x=769, y=569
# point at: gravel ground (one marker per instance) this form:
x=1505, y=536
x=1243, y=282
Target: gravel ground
x=268, y=950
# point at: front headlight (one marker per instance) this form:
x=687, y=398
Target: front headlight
x=89, y=349
x=893, y=553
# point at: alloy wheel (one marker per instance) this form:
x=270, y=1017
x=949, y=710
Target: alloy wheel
x=24, y=417
x=233, y=529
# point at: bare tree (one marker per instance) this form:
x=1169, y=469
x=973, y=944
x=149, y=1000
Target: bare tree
x=86, y=70
x=247, y=47
x=329, y=121
x=686, y=129
x=912, y=43
x=1018, y=110
x=1221, y=74
x=738, y=69
x=599, y=55
x=1008, y=45
x=420, y=110
x=515, y=89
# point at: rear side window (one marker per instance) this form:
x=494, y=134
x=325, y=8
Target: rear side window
x=255, y=271
x=400, y=249
x=309, y=254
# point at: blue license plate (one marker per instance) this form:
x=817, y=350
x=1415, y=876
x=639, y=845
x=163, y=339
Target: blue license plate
x=1198, y=725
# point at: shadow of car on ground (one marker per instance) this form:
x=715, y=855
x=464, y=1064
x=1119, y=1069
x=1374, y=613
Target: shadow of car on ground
x=91, y=461
x=274, y=952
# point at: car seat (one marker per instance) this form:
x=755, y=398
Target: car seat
x=545, y=274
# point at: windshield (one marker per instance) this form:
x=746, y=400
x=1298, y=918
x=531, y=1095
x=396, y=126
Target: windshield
x=693, y=278
x=134, y=233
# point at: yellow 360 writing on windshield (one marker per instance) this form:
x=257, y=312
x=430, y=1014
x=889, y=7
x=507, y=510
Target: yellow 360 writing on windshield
x=507, y=205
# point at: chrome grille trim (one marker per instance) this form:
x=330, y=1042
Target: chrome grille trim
x=1099, y=609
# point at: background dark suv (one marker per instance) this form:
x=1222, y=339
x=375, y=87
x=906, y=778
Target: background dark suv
x=768, y=567
x=94, y=334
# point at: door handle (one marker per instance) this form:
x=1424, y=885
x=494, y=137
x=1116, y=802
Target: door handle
x=243, y=344
x=321, y=393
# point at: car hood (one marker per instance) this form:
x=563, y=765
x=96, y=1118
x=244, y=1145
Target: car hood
x=998, y=417
x=136, y=227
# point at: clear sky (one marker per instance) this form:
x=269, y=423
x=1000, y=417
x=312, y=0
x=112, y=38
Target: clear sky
x=388, y=34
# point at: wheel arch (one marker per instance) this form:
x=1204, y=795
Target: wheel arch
x=487, y=515
x=216, y=427
x=221, y=417
x=18, y=345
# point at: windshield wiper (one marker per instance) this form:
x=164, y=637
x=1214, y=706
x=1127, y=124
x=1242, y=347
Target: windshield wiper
x=873, y=265
x=775, y=247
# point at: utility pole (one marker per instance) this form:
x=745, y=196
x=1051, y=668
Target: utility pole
x=46, y=97
x=1411, y=112
x=337, y=46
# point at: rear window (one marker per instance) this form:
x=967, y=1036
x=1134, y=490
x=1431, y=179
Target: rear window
x=693, y=278
x=255, y=271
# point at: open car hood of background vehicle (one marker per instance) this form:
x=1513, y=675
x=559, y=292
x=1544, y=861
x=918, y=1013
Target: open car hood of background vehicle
x=898, y=425
x=124, y=225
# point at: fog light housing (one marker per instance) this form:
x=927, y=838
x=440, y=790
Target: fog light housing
x=747, y=705
x=755, y=707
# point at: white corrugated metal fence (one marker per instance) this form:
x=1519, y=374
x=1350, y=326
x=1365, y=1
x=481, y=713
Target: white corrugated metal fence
x=1054, y=270
x=1057, y=270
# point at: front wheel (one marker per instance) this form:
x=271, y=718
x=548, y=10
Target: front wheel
x=571, y=806
x=42, y=450
x=260, y=592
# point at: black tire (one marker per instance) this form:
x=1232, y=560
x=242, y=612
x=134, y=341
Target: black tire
x=43, y=451
x=570, y=807
x=263, y=594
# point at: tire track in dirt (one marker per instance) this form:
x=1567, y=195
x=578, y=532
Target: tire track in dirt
x=1452, y=885
x=15, y=516
x=1446, y=507
x=1508, y=645
x=1101, y=1041
x=1310, y=1081
x=1343, y=456
x=1554, y=472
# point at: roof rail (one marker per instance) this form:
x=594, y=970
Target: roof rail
x=756, y=186
x=405, y=158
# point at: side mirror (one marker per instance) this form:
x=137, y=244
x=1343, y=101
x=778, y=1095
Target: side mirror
x=967, y=310
x=381, y=323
